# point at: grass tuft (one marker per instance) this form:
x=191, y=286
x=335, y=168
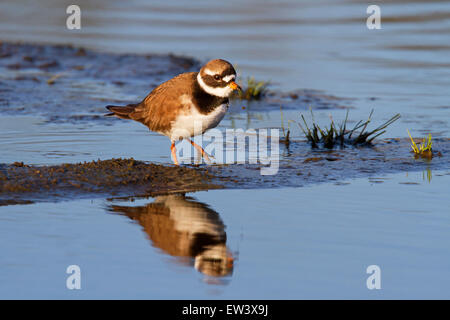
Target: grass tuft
x=339, y=135
x=286, y=134
x=253, y=90
x=423, y=149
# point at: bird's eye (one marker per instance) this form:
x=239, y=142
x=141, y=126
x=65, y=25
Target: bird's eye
x=217, y=77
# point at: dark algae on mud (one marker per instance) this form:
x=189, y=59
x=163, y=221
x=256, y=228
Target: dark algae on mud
x=114, y=176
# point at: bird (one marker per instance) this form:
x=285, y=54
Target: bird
x=183, y=227
x=186, y=105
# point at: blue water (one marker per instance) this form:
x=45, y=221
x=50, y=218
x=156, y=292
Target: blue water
x=316, y=44
x=311, y=242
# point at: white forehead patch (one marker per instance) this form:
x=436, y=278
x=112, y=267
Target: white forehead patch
x=209, y=72
x=229, y=77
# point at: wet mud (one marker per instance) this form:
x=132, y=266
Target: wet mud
x=21, y=183
x=299, y=165
x=63, y=83
x=68, y=84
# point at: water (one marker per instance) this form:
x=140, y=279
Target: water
x=322, y=45
x=287, y=243
x=309, y=242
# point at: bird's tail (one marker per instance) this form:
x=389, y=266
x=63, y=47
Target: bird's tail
x=122, y=112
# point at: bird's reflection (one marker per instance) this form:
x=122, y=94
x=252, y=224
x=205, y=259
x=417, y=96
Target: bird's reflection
x=185, y=228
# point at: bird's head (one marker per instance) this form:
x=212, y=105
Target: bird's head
x=217, y=78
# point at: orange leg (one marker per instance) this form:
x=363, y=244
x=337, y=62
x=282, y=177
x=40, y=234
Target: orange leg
x=174, y=153
x=200, y=150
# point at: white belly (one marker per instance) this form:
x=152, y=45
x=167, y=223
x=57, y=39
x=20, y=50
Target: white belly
x=194, y=123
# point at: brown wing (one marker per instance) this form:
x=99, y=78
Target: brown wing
x=162, y=105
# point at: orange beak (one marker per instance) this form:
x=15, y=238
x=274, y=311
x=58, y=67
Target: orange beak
x=233, y=85
x=230, y=262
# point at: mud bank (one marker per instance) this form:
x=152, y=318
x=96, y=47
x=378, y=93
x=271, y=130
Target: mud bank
x=63, y=83
x=21, y=184
x=67, y=84
x=301, y=165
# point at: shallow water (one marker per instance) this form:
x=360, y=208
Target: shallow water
x=310, y=242
x=286, y=243
x=322, y=45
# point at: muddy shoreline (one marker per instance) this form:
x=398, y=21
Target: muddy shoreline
x=65, y=84
x=302, y=166
x=21, y=183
